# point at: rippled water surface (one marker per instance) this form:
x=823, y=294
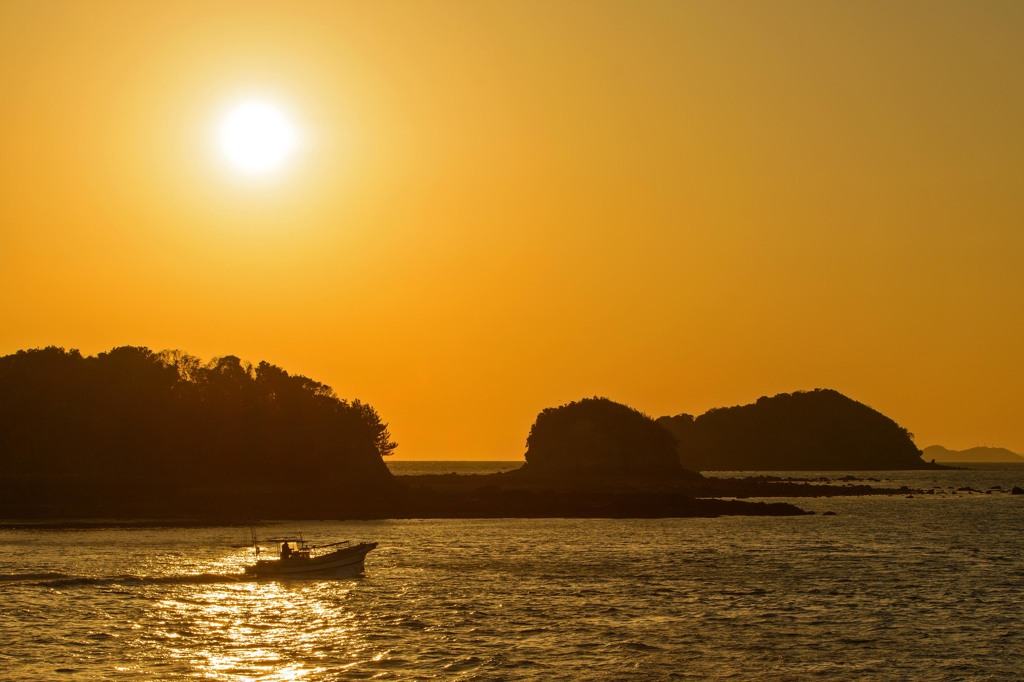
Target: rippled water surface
x=929, y=587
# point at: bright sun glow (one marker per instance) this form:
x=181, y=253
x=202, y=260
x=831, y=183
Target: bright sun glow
x=256, y=137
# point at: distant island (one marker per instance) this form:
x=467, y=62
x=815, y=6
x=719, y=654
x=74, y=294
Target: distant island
x=938, y=453
x=819, y=430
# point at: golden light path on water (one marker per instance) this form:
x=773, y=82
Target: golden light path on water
x=244, y=629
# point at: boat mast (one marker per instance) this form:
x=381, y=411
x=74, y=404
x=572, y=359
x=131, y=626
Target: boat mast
x=255, y=542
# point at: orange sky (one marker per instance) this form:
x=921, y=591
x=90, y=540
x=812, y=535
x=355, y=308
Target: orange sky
x=504, y=206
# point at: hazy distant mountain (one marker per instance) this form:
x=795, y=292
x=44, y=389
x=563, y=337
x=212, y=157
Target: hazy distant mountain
x=818, y=430
x=978, y=454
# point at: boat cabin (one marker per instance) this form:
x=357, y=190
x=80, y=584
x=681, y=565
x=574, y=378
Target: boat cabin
x=291, y=547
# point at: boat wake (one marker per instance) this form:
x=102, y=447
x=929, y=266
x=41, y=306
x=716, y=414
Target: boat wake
x=51, y=579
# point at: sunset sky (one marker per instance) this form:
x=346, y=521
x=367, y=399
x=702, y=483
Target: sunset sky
x=489, y=208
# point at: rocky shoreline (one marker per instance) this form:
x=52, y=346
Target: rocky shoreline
x=518, y=494
x=512, y=494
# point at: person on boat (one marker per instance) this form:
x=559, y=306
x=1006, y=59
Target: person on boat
x=286, y=550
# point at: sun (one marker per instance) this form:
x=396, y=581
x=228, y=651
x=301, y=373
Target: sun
x=256, y=137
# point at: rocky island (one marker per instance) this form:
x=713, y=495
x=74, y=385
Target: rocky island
x=589, y=458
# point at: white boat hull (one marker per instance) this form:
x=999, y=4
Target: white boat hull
x=347, y=561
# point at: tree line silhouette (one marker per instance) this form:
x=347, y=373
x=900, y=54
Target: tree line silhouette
x=168, y=418
x=133, y=432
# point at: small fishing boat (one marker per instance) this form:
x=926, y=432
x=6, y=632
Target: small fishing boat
x=296, y=558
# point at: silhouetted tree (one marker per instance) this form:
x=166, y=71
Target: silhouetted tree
x=39, y=389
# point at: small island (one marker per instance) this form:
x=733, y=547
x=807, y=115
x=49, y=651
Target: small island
x=819, y=430
x=596, y=438
x=589, y=458
x=595, y=457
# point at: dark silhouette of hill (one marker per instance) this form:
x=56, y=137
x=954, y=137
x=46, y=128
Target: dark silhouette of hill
x=135, y=431
x=938, y=453
x=816, y=430
x=598, y=438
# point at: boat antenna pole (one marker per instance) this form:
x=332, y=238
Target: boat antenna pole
x=255, y=543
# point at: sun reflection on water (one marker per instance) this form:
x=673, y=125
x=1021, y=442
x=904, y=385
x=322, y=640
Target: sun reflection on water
x=262, y=630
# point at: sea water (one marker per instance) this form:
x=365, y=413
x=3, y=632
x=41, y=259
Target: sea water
x=408, y=467
x=920, y=587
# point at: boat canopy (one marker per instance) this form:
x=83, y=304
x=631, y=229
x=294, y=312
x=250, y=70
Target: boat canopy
x=297, y=539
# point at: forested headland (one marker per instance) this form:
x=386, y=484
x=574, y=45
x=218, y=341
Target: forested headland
x=133, y=430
